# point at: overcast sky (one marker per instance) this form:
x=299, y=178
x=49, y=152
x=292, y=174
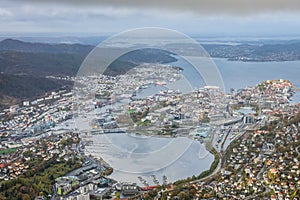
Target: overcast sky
x=203, y=17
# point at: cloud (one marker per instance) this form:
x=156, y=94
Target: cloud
x=111, y=16
x=4, y=13
x=49, y=12
x=201, y=7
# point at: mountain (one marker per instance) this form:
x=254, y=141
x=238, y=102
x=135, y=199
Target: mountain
x=40, y=64
x=39, y=59
x=14, y=88
x=288, y=51
x=24, y=66
x=20, y=46
x=50, y=39
x=136, y=57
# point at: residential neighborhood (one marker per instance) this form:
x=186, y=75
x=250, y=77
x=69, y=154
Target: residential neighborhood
x=252, y=132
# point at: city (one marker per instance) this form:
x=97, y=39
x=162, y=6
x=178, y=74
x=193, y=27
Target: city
x=149, y=100
x=246, y=131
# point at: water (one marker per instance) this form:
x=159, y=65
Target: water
x=237, y=74
x=132, y=156
x=296, y=98
x=189, y=72
x=150, y=90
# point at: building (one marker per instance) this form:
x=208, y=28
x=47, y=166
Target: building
x=202, y=132
x=248, y=119
x=65, y=184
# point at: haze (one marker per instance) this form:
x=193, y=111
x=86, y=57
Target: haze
x=204, y=17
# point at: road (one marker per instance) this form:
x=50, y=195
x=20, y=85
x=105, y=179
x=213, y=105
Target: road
x=221, y=153
x=217, y=170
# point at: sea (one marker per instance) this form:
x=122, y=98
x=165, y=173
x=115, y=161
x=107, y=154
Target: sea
x=239, y=74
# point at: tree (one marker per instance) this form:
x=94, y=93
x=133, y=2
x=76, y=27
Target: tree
x=118, y=195
x=25, y=197
x=183, y=195
x=28, y=153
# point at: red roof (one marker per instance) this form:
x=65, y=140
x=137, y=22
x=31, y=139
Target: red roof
x=148, y=188
x=2, y=165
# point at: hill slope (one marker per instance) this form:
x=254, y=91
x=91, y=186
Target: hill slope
x=20, y=46
x=15, y=88
x=24, y=66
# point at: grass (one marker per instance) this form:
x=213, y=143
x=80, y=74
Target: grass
x=8, y=151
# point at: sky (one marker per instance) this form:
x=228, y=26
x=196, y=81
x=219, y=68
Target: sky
x=198, y=17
